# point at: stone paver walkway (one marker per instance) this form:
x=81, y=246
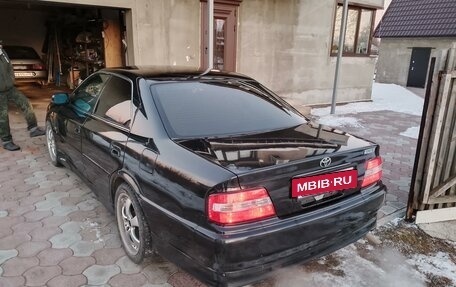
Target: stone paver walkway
x=54, y=232
x=398, y=152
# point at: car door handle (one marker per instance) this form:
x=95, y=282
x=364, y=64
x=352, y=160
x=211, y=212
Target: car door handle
x=115, y=151
x=77, y=130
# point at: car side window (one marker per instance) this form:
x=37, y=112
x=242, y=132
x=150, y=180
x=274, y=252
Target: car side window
x=85, y=96
x=115, y=101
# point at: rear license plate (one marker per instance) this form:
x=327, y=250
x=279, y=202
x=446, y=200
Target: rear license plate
x=24, y=74
x=319, y=184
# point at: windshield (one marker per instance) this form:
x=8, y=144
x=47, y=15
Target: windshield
x=220, y=108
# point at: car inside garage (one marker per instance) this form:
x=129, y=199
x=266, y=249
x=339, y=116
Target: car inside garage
x=70, y=41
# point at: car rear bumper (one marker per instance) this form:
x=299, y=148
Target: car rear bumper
x=30, y=76
x=241, y=256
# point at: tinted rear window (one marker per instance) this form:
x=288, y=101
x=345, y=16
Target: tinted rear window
x=210, y=109
x=19, y=52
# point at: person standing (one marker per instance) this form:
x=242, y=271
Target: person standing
x=8, y=92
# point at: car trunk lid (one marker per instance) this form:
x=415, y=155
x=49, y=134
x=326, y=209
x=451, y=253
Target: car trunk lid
x=273, y=159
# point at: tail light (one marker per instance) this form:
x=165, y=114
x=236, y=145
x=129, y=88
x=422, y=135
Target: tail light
x=240, y=206
x=373, y=171
x=37, y=67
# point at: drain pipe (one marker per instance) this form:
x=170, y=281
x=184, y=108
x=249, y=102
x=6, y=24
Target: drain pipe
x=210, y=36
x=340, y=50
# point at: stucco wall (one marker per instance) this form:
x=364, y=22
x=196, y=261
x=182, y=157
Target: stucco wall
x=286, y=45
x=167, y=32
x=160, y=32
x=394, y=56
x=283, y=43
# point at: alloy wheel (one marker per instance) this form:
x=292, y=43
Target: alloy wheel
x=127, y=220
x=50, y=138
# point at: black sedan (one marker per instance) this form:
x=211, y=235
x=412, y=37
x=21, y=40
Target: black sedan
x=213, y=171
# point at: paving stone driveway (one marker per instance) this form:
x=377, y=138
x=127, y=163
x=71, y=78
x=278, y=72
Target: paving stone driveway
x=397, y=151
x=54, y=232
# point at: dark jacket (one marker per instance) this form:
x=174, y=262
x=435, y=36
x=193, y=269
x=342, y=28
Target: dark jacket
x=6, y=72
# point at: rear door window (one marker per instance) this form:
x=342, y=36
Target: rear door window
x=220, y=108
x=115, y=101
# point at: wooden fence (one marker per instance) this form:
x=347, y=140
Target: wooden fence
x=433, y=188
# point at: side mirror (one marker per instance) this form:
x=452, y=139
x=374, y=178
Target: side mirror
x=60, y=99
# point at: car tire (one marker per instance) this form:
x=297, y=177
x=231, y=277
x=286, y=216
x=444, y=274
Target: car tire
x=50, y=143
x=132, y=225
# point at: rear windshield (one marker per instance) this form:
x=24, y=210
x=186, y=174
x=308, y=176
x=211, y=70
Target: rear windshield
x=20, y=52
x=214, y=109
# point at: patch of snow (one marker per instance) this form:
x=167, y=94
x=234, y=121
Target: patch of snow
x=395, y=222
x=385, y=97
x=412, y=132
x=94, y=227
x=362, y=241
x=337, y=121
x=439, y=264
x=98, y=235
x=388, y=268
x=370, y=247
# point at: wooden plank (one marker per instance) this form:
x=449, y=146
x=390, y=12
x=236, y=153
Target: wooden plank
x=444, y=187
x=449, y=67
x=452, y=156
x=453, y=189
x=435, y=139
x=432, y=87
x=434, y=174
x=112, y=43
x=436, y=215
x=443, y=165
x=442, y=199
x=429, y=132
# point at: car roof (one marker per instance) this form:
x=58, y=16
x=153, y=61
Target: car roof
x=173, y=73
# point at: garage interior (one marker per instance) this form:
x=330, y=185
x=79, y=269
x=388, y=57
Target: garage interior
x=72, y=40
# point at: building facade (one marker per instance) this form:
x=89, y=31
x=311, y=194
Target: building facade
x=288, y=45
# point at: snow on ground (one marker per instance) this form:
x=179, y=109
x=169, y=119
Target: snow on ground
x=406, y=257
x=387, y=268
x=412, y=132
x=439, y=264
x=389, y=97
x=337, y=121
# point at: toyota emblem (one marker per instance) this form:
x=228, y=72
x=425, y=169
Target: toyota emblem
x=325, y=162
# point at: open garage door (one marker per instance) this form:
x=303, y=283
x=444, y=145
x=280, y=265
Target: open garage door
x=433, y=189
x=72, y=40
